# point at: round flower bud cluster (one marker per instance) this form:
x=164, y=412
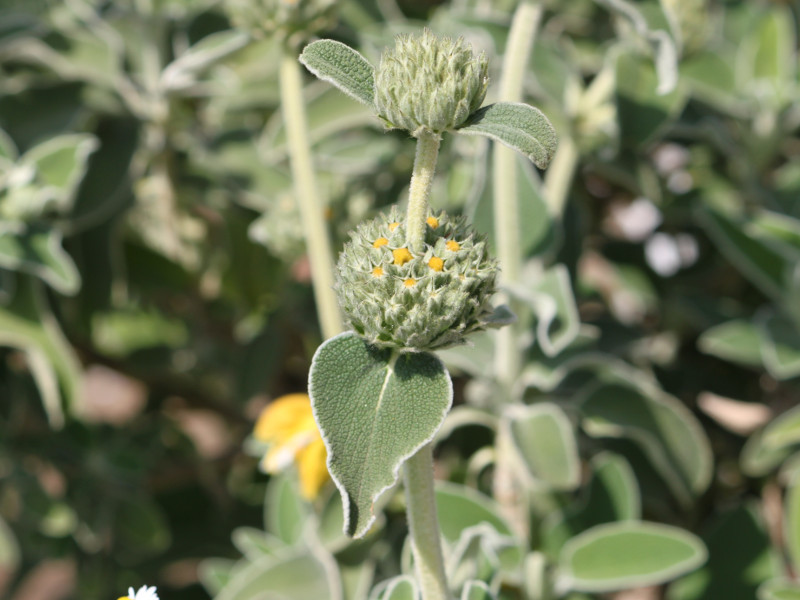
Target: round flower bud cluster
x=429, y=83
x=416, y=301
x=292, y=20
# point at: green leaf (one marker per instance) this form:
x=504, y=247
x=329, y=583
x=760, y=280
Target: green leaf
x=667, y=432
x=779, y=589
x=254, y=543
x=9, y=549
x=759, y=458
x=215, y=574
x=182, y=72
x=299, y=577
x=518, y=126
x=630, y=554
x=738, y=341
x=642, y=111
x=459, y=508
x=477, y=590
x=762, y=265
x=38, y=251
x=792, y=521
x=784, y=430
x=612, y=495
x=28, y=324
x=781, y=346
x=375, y=408
x=285, y=512
x=60, y=163
x=401, y=587
x=554, y=305
x=342, y=66
x=740, y=558
x=545, y=440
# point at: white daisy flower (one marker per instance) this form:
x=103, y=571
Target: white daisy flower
x=144, y=593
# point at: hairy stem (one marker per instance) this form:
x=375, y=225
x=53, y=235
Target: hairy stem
x=509, y=492
x=506, y=196
x=318, y=242
x=420, y=190
x=423, y=523
x=558, y=180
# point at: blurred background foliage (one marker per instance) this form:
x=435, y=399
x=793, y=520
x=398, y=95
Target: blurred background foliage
x=154, y=293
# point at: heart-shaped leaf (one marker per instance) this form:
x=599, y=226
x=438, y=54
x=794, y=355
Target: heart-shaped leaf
x=342, y=66
x=375, y=408
x=518, y=126
x=628, y=554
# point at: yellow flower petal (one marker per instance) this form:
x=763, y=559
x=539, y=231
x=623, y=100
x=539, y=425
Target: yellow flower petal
x=283, y=418
x=453, y=246
x=401, y=256
x=393, y=226
x=410, y=282
x=377, y=272
x=380, y=242
x=433, y=222
x=436, y=263
x=311, y=468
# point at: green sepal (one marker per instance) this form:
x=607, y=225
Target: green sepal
x=375, y=408
x=518, y=126
x=342, y=66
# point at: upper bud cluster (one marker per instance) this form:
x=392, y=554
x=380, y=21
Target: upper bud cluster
x=429, y=82
x=292, y=20
x=416, y=301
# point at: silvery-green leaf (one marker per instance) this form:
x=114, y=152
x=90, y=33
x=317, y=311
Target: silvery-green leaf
x=545, y=440
x=740, y=558
x=792, y=521
x=60, y=164
x=28, y=324
x=664, y=48
x=518, y=126
x=342, y=66
x=784, y=430
x=285, y=512
x=612, y=495
x=500, y=317
x=459, y=508
x=254, y=543
x=780, y=349
x=665, y=429
x=401, y=587
x=9, y=549
x=301, y=576
x=737, y=341
x=8, y=150
x=182, y=72
x=215, y=573
x=477, y=590
x=629, y=554
x=375, y=409
x=779, y=589
x=37, y=250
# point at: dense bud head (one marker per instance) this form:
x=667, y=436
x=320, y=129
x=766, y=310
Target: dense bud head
x=293, y=21
x=416, y=301
x=430, y=83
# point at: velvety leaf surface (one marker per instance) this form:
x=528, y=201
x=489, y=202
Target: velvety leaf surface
x=342, y=66
x=375, y=409
x=518, y=126
x=632, y=554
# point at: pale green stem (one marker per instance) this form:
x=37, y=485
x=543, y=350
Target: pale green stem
x=558, y=179
x=420, y=190
x=318, y=243
x=508, y=490
x=508, y=360
x=424, y=526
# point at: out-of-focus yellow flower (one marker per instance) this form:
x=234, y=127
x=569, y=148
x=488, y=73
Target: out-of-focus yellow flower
x=288, y=426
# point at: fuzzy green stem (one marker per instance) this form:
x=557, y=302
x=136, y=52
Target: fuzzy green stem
x=506, y=196
x=424, y=526
x=420, y=190
x=558, y=180
x=317, y=238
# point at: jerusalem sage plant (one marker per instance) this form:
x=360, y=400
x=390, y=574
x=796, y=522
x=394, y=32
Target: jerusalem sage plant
x=409, y=285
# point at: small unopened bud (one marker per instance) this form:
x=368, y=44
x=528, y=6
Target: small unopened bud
x=430, y=83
